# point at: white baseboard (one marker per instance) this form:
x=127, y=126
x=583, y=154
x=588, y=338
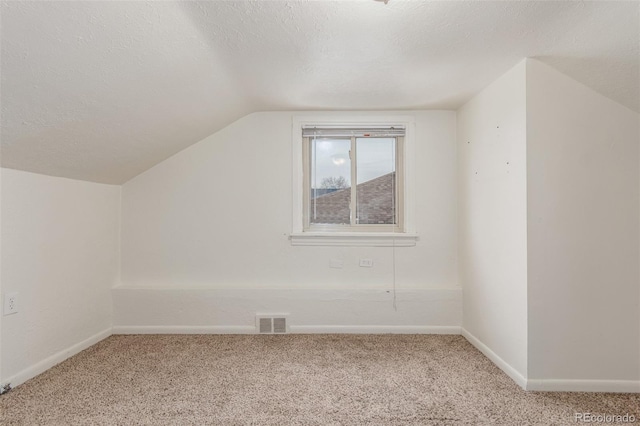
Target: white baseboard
x=499, y=362
x=55, y=359
x=374, y=329
x=619, y=386
x=294, y=329
x=184, y=329
x=553, y=385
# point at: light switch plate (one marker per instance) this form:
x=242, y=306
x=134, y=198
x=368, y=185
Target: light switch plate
x=336, y=263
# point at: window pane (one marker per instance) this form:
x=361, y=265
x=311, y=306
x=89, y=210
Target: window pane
x=330, y=181
x=376, y=180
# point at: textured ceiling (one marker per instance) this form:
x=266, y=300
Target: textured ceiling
x=102, y=91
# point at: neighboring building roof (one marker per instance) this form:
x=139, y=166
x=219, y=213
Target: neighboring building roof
x=375, y=203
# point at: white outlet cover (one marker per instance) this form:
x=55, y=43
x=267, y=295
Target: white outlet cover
x=10, y=303
x=336, y=263
x=366, y=263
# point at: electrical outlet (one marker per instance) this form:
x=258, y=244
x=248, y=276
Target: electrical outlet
x=366, y=263
x=10, y=303
x=336, y=263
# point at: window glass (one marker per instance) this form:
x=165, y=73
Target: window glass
x=376, y=181
x=330, y=181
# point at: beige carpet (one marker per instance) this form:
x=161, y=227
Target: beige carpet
x=292, y=379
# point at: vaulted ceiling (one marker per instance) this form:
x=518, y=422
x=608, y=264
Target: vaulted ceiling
x=102, y=91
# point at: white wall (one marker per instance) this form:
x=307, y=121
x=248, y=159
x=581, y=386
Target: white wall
x=218, y=215
x=60, y=253
x=582, y=157
x=493, y=219
x=1, y=292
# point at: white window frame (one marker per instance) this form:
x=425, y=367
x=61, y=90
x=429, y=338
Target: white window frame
x=362, y=235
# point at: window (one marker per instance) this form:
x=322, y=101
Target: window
x=352, y=183
x=353, y=179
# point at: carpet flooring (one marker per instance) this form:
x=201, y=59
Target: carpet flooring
x=290, y=379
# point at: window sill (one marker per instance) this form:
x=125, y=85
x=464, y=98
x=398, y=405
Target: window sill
x=353, y=239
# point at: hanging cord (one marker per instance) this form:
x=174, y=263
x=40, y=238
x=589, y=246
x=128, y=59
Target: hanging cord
x=393, y=261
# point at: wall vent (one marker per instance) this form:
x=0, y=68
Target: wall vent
x=272, y=323
x=279, y=325
x=266, y=325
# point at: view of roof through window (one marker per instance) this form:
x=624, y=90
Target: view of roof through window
x=331, y=176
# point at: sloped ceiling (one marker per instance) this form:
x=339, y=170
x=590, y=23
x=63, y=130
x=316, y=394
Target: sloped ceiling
x=102, y=91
